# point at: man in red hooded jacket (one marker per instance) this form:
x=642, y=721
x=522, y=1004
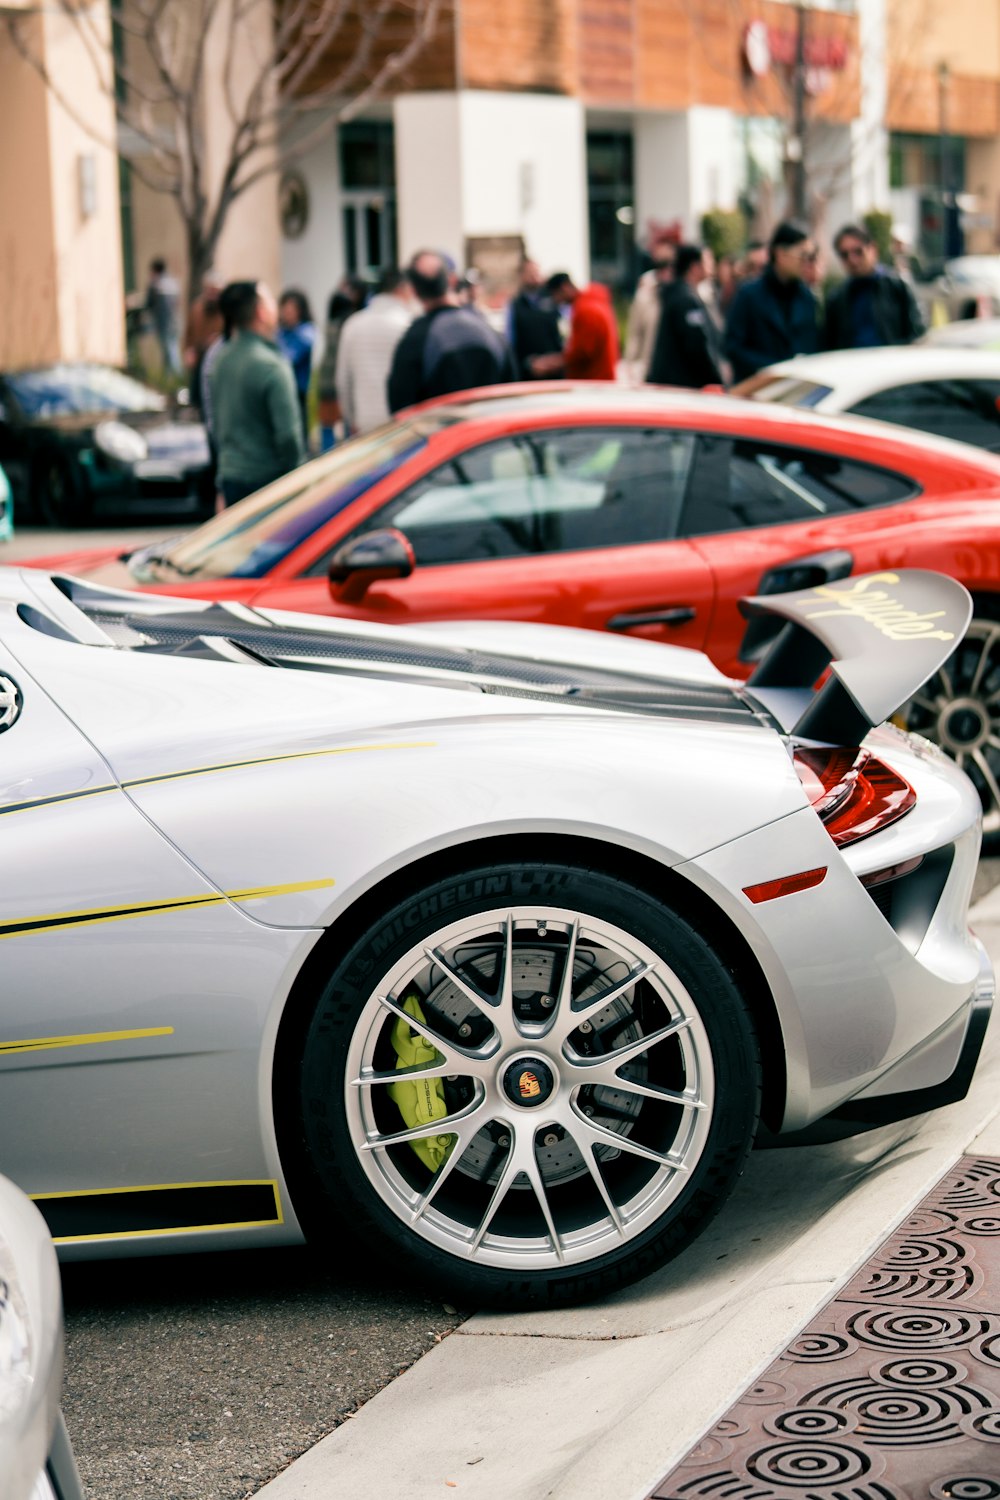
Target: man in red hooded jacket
x=591, y=351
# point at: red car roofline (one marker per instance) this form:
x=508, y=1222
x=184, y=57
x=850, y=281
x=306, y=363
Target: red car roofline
x=604, y=400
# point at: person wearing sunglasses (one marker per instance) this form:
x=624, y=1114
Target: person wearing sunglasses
x=775, y=315
x=873, y=305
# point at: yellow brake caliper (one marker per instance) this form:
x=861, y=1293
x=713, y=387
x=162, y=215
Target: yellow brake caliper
x=420, y=1101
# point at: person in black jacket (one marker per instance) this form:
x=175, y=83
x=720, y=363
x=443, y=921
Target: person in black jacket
x=872, y=306
x=776, y=315
x=686, y=350
x=450, y=348
x=532, y=321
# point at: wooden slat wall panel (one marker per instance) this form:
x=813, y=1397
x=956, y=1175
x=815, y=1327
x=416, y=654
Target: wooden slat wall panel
x=434, y=68
x=972, y=105
x=521, y=44
x=607, y=48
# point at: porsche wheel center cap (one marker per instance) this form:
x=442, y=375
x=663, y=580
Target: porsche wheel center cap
x=966, y=725
x=528, y=1082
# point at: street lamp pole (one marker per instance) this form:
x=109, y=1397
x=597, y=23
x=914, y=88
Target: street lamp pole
x=800, y=206
x=944, y=79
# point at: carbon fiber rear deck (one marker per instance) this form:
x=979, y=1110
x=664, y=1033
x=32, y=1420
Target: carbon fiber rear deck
x=893, y=1391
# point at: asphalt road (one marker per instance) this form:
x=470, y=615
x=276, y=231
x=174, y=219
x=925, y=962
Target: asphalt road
x=200, y=1377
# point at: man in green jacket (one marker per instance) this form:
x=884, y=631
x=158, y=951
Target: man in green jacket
x=256, y=420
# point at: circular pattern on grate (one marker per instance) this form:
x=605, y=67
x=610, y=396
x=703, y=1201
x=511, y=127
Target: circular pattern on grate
x=819, y=1348
x=766, y=1393
x=978, y=1186
x=914, y=1330
x=965, y=1487
x=807, y=1422
x=907, y=1403
x=985, y=1425
x=717, y=1444
x=806, y=1463
x=927, y=1220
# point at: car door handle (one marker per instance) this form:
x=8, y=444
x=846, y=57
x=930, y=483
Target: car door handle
x=676, y=616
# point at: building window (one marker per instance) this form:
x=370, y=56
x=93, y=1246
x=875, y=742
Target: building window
x=368, y=195
x=611, y=196
x=368, y=154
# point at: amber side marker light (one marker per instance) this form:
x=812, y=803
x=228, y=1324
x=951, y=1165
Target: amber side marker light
x=770, y=890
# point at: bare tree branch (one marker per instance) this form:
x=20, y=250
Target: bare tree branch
x=283, y=62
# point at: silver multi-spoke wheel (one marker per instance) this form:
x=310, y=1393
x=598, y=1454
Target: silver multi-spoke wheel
x=527, y=1083
x=566, y=1095
x=959, y=709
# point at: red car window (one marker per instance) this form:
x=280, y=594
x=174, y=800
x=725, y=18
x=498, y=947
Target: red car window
x=546, y=491
x=739, y=483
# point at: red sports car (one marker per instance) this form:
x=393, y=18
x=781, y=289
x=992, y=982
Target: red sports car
x=642, y=511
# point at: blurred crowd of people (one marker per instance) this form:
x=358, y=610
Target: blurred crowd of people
x=424, y=332
x=421, y=333
x=697, y=322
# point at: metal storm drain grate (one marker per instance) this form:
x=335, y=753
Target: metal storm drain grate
x=893, y=1391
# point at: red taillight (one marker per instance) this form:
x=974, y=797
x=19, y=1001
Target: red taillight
x=854, y=793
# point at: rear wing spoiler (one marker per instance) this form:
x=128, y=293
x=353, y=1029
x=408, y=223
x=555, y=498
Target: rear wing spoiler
x=882, y=635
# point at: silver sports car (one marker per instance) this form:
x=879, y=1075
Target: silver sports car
x=488, y=946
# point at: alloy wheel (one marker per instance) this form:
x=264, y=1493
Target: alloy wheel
x=529, y=1088
x=959, y=709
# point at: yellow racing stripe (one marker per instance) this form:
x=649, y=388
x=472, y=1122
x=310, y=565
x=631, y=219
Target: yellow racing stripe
x=89, y=916
x=32, y=804
x=84, y=1039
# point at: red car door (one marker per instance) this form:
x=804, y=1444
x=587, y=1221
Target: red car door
x=565, y=527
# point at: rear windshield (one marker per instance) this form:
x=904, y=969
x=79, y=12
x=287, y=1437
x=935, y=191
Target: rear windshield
x=784, y=390
x=248, y=539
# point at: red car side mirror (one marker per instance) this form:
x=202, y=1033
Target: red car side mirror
x=367, y=559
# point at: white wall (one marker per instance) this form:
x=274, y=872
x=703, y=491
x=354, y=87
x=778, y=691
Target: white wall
x=428, y=174
x=524, y=171
x=685, y=164
x=477, y=163
x=315, y=262
x=662, y=171
x=870, y=138
x=712, y=147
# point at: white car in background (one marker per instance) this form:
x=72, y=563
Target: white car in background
x=949, y=391
x=36, y=1461
x=967, y=333
x=968, y=287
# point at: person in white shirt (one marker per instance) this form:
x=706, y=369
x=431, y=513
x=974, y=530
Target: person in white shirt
x=364, y=356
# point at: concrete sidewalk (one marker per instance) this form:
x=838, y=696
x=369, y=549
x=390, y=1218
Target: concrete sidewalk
x=601, y=1401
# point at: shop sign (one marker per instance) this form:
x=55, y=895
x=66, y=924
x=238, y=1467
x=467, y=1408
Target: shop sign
x=765, y=45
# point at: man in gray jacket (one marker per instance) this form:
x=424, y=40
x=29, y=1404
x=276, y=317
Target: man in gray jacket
x=256, y=420
x=364, y=354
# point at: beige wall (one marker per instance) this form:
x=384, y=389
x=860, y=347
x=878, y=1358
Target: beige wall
x=61, y=269
x=250, y=244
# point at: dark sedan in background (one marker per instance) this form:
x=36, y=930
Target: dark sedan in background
x=74, y=437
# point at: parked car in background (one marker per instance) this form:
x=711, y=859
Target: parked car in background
x=953, y=392
x=968, y=286
x=481, y=948
x=969, y=333
x=638, y=512
x=74, y=435
x=6, y=508
x=36, y=1461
